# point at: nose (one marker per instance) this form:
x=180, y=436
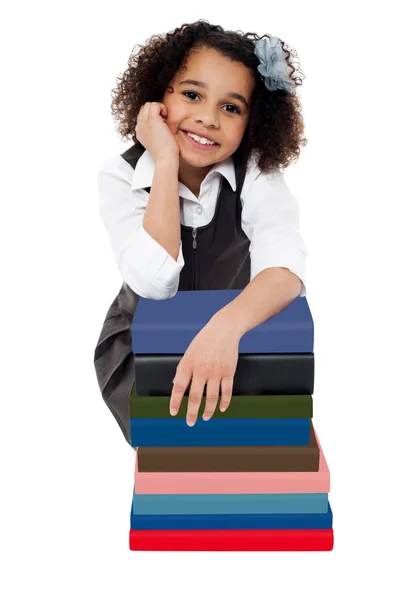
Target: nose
x=207, y=116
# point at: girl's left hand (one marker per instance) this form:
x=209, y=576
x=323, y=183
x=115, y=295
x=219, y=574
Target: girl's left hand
x=210, y=359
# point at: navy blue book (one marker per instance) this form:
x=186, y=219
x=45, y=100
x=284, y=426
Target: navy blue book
x=169, y=326
x=241, y=521
x=174, y=432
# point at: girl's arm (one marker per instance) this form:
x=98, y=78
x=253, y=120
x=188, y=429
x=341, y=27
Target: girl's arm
x=143, y=263
x=272, y=290
x=270, y=218
x=162, y=216
x=211, y=358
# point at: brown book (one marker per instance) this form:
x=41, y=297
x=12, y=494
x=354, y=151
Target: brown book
x=178, y=459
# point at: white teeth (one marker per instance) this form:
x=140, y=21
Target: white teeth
x=201, y=140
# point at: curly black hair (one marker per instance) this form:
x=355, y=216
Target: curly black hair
x=273, y=134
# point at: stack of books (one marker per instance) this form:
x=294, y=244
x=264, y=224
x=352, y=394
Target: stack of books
x=251, y=478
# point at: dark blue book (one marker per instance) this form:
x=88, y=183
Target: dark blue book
x=169, y=326
x=220, y=432
x=233, y=522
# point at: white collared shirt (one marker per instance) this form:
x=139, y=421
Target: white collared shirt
x=270, y=219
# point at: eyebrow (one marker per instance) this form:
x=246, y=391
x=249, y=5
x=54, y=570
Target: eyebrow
x=204, y=85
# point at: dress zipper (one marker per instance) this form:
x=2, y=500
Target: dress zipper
x=194, y=234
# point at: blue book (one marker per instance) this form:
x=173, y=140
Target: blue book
x=232, y=522
x=212, y=504
x=220, y=432
x=169, y=326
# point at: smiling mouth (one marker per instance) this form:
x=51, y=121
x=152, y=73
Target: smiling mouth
x=198, y=144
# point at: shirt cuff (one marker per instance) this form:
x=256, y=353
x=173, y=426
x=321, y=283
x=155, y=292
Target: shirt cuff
x=154, y=267
x=281, y=254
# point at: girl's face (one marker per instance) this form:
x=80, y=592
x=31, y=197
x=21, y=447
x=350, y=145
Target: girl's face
x=208, y=107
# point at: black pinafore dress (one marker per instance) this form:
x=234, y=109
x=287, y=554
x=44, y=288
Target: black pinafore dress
x=216, y=257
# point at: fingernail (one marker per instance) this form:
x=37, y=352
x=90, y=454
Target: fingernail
x=173, y=412
x=190, y=422
x=206, y=417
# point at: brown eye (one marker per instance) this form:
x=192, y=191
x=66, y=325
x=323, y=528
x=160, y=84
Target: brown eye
x=195, y=94
x=237, y=109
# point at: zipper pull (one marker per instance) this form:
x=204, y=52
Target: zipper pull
x=194, y=232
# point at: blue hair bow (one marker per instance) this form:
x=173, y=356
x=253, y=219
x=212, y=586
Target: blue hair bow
x=274, y=67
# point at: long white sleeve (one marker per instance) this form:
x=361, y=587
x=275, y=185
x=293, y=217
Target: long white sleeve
x=270, y=218
x=142, y=262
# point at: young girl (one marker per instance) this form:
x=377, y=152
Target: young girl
x=199, y=200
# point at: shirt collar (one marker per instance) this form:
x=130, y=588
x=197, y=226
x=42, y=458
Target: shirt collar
x=145, y=166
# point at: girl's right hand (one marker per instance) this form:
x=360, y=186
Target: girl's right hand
x=153, y=132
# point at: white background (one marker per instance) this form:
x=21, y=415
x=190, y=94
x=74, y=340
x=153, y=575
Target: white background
x=67, y=472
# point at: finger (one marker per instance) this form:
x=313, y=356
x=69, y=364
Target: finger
x=227, y=390
x=180, y=384
x=160, y=110
x=194, y=399
x=212, y=396
x=145, y=109
x=143, y=112
x=157, y=107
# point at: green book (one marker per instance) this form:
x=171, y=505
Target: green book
x=268, y=406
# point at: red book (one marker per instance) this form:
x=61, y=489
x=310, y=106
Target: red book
x=239, y=540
